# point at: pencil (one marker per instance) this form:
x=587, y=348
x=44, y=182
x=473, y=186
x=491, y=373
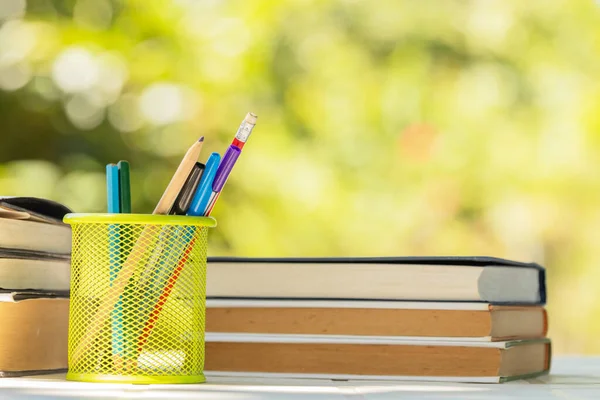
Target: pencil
x=125, y=186
x=113, y=188
x=183, y=171
x=119, y=324
x=110, y=300
x=162, y=299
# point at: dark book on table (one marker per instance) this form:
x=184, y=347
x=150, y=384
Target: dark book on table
x=457, y=279
x=34, y=224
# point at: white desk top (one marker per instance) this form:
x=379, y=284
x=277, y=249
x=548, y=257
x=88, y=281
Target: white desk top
x=571, y=378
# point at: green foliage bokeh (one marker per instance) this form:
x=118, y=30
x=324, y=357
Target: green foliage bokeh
x=384, y=128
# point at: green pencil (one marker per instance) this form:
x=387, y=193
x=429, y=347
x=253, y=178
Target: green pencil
x=125, y=183
x=119, y=325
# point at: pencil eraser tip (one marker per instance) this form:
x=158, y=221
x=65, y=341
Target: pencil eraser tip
x=251, y=118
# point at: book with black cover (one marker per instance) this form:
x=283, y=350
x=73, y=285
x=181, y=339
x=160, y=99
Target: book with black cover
x=34, y=208
x=453, y=278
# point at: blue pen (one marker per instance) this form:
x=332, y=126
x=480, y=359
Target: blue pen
x=204, y=191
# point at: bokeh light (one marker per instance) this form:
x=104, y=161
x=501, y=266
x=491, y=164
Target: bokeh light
x=75, y=70
x=464, y=128
x=12, y=9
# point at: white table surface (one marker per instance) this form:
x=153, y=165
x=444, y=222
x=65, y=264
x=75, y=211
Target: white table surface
x=571, y=378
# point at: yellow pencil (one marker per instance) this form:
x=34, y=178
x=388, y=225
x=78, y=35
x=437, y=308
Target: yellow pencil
x=145, y=239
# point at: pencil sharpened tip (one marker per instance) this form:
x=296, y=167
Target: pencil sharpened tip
x=201, y=139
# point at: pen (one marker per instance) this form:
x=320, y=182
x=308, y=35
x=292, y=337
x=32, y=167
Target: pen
x=202, y=196
x=229, y=159
x=184, y=200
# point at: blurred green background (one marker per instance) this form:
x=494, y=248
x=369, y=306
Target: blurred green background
x=385, y=128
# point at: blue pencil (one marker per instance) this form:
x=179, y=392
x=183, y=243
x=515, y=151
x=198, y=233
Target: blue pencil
x=112, y=188
x=114, y=206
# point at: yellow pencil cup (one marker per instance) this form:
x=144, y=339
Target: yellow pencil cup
x=138, y=298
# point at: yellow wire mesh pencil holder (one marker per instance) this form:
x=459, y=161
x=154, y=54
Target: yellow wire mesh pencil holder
x=138, y=298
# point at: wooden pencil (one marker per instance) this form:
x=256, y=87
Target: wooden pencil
x=145, y=239
x=183, y=171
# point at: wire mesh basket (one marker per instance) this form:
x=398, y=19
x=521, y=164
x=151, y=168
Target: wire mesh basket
x=137, y=298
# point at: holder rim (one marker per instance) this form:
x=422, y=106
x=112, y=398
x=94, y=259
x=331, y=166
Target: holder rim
x=138, y=219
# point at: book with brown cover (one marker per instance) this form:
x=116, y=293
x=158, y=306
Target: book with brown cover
x=298, y=356
x=33, y=336
x=464, y=321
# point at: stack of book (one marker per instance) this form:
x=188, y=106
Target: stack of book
x=470, y=319
x=35, y=248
